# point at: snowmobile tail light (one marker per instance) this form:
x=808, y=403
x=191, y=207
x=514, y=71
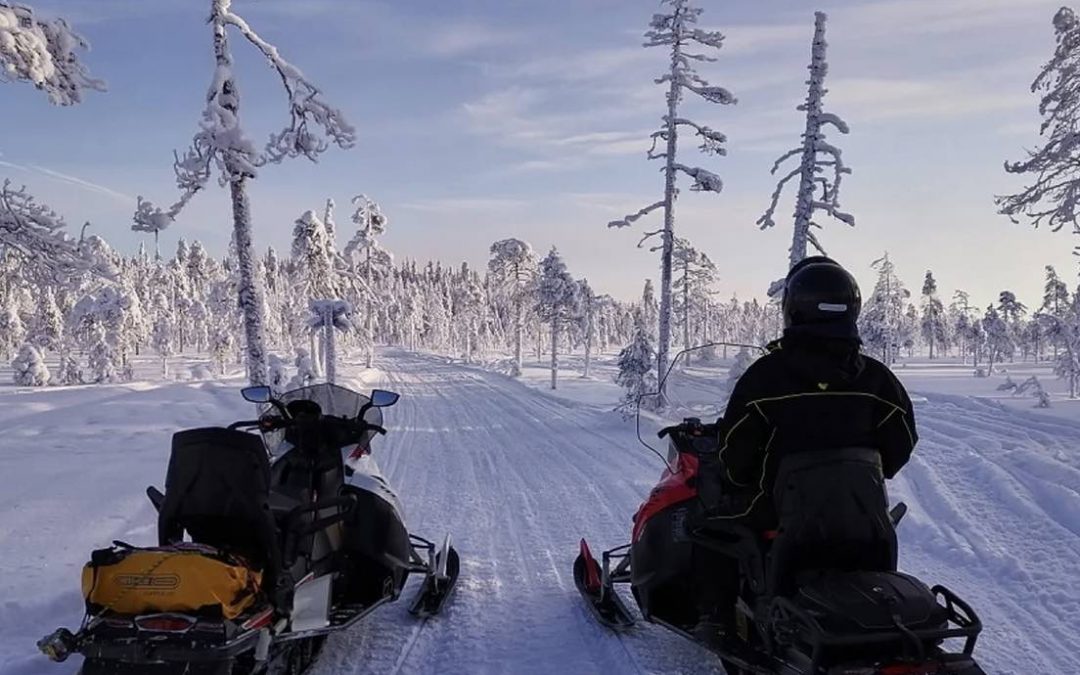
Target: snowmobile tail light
x=58, y=646
x=165, y=623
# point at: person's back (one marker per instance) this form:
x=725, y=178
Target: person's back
x=812, y=391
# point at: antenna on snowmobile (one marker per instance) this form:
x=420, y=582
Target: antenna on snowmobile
x=660, y=388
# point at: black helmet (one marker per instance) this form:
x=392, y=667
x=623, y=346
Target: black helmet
x=821, y=297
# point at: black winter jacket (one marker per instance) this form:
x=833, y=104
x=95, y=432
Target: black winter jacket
x=810, y=393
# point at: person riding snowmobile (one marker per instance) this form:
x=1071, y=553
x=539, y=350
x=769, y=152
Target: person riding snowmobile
x=813, y=390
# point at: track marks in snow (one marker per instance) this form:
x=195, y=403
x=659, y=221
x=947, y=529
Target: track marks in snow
x=995, y=515
x=517, y=478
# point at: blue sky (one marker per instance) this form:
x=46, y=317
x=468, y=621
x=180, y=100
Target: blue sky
x=483, y=119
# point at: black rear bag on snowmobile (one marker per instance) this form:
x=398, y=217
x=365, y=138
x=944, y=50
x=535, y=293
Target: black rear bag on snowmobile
x=218, y=490
x=835, y=554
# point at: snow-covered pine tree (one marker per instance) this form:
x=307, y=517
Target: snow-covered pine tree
x=1012, y=312
x=513, y=267
x=883, y=312
x=101, y=358
x=556, y=299
x=637, y=363
x=29, y=367
x=586, y=314
x=329, y=223
x=370, y=259
x=47, y=326
x=278, y=374
x=1055, y=302
x=70, y=371
x=1054, y=194
x=12, y=328
x=221, y=143
x=162, y=342
x=817, y=156
x=1062, y=326
x=696, y=274
x=932, y=325
x=961, y=317
x=677, y=30
x=305, y=370
x=650, y=310
x=999, y=342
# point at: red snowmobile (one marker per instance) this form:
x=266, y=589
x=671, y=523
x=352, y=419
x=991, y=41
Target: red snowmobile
x=820, y=595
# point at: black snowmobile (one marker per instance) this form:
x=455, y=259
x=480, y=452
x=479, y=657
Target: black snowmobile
x=288, y=547
x=821, y=595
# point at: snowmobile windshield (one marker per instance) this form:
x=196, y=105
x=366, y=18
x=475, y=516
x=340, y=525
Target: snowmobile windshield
x=333, y=401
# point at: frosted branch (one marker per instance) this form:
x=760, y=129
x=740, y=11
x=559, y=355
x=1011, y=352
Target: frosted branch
x=43, y=52
x=630, y=219
x=305, y=104
x=766, y=220
x=704, y=180
x=36, y=234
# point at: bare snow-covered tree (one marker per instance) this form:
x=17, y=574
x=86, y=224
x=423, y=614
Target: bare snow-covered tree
x=933, y=320
x=44, y=53
x=1054, y=195
x=817, y=156
x=678, y=31
x=330, y=315
x=513, y=267
x=222, y=144
x=370, y=258
x=586, y=314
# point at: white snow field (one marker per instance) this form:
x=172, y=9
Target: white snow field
x=518, y=476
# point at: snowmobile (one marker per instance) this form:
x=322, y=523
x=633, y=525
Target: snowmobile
x=286, y=547
x=820, y=595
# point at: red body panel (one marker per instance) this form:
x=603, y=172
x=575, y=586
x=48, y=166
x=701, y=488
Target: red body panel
x=672, y=489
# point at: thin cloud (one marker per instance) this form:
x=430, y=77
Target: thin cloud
x=876, y=99
x=72, y=180
x=465, y=204
x=464, y=38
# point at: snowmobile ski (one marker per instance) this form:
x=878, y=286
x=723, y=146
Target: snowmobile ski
x=439, y=581
x=598, y=591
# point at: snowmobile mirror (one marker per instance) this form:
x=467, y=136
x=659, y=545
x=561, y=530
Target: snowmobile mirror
x=257, y=394
x=380, y=398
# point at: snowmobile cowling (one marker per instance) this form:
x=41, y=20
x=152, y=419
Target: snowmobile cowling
x=178, y=578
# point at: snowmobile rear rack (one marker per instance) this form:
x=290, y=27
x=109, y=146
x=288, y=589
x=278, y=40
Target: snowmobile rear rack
x=802, y=627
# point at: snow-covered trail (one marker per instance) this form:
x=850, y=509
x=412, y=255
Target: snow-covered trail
x=517, y=478
x=995, y=515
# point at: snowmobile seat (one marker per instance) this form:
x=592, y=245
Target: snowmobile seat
x=833, y=515
x=217, y=489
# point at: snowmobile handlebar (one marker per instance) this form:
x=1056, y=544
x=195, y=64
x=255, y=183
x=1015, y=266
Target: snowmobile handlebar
x=692, y=436
x=691, y=426
x=268, y=423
